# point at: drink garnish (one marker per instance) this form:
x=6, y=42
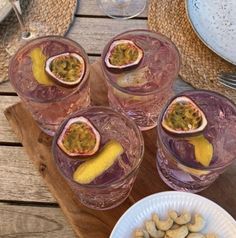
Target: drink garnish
x=67, y=69
x=196, y=172
x=123, y=54
x=136, y=78
x=79, y=138
x=183, y=117
x=98, y=164
x=38, y=67
x=203, y=149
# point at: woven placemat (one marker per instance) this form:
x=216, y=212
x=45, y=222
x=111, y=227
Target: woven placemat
x=56, y=15
x=200, y=66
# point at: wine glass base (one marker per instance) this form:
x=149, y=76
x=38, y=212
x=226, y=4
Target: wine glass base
x=122, y=9
x=14, y=40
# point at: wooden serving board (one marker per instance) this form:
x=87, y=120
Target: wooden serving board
x=99, y=224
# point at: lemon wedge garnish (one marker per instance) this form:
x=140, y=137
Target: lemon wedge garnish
x=99, y=163
x=38, y=67
x=203, y=149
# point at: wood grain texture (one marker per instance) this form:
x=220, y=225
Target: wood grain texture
x=19, y=180
x=31, y=222
x=90, y=7
x=6, y=134
x=87, y=222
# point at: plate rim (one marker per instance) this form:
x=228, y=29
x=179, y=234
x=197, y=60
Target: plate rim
x=172, y=193
x=201, y=38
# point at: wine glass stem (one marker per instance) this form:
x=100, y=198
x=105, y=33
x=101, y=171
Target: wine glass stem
x=24, y=32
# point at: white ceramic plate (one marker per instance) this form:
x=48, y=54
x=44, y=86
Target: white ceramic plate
x=214, y=21
x=5, y=8
x=217, y=219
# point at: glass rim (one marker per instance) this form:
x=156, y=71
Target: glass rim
x=79, y=86
x=122, y=17
x=102, y=109
x=127, y=91
x=170, y=152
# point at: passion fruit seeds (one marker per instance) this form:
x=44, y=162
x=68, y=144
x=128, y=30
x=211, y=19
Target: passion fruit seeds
x=79, y=138
x=183, y=116
x=66, y=69
x=123, y=54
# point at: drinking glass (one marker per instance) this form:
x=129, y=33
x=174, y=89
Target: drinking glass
x=25, y=33
x=177, y=161
x=48, y=103
x=122, y=9
x=112, y=187
x=141, y=90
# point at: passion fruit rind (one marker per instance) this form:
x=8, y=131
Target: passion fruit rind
x=79, y=138
x=183, y=116
x=123, y=54
x=67, y=69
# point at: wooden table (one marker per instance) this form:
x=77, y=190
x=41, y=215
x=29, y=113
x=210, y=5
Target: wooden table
x=27, y=208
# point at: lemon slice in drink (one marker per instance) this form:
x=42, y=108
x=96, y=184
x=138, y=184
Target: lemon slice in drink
x=99, y=163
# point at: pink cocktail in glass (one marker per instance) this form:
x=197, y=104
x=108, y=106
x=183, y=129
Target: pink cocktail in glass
x=113, y=186
x=179, y=157
x=48, y=101
x=140, y=91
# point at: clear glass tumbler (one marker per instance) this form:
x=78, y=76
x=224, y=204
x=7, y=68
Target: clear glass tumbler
x=183, y=161
x=122, y=9
x=48, y=101
x=141, y=90
x=113, y=186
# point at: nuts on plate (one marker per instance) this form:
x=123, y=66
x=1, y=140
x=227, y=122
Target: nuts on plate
x=175, y=225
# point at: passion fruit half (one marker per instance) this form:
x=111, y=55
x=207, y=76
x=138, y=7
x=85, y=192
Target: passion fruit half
x=79, y=138
x=183, y=116
x=123, y=54
x=67, y=69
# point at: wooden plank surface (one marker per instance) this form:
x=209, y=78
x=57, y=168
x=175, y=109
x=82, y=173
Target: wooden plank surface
x=6, y=134
x=19, y=180
x=27, y=221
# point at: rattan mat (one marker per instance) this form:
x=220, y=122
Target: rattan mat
x=200, y=66
x=56, y=15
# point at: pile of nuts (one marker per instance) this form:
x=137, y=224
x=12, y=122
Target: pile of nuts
x=175, y=226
